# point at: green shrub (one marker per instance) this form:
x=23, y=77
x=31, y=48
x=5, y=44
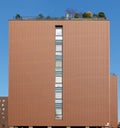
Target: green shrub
x=18, y=17
x=101, y=15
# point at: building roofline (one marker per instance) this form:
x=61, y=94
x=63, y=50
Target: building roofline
x=80, y=19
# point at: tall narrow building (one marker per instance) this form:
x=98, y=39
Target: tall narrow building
x=59, y=74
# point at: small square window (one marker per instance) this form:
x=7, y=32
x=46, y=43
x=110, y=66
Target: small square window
x=3, y=109
x=59, y=31
x=59, y=111
x=2, y=105
x=58, y=48
x=58, y=95
x=3, y=100
x=58, y=79
x=58, y=63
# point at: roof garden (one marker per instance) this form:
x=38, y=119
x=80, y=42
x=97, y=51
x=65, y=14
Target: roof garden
x=70, y=15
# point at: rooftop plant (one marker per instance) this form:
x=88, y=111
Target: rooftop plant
x=87, y=15
x=101, y=15
x=18, y=17
x=40, y=16
x=76, y=15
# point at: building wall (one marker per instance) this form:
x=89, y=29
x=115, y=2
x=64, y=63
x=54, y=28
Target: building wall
x=113, y=101
x=85, y=73
x=3, y=112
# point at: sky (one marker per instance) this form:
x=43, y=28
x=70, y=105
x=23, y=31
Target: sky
x=9, y=8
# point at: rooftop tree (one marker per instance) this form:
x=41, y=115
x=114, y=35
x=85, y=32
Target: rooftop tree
x=101, y=15
x=40, y=16
x=18, y=17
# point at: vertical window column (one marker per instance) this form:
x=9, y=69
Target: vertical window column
x=58, y=72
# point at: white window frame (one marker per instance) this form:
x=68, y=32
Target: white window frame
x=58, y=95
x=59, y=48
x=58, y=101
x=58, y=111
x=59, y=53
x=58, y=31
x=58, y=63
x=58, y=79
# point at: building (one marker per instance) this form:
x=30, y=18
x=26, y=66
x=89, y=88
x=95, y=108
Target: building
x=59, y=74
x=3, y=112
x=119, y=124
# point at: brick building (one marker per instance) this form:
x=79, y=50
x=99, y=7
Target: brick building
x=59, y=74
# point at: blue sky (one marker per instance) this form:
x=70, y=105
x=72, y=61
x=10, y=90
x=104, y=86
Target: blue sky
x=9, y=8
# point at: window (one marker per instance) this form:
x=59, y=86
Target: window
x=59, y=42
x=59, y=53
x=59, y=31
x=2, y=105
x=58, y=79
x=3, y=109
x=58, y=101
x=3, y=100
x=58, y=116
x=59, y=48
x=58, y=57
x=58, y=111
x=58, y=63
x=58, y=105
x=58, y=89
x=58, y=95
x=2, y=113
x=58, y=85
x=58, y=38
x=58, y=71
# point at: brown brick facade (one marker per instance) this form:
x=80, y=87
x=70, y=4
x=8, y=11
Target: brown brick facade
x=86, y=73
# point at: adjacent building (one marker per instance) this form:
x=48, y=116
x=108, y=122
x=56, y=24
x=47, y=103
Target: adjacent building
x=3, y=112
x=59, y=74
